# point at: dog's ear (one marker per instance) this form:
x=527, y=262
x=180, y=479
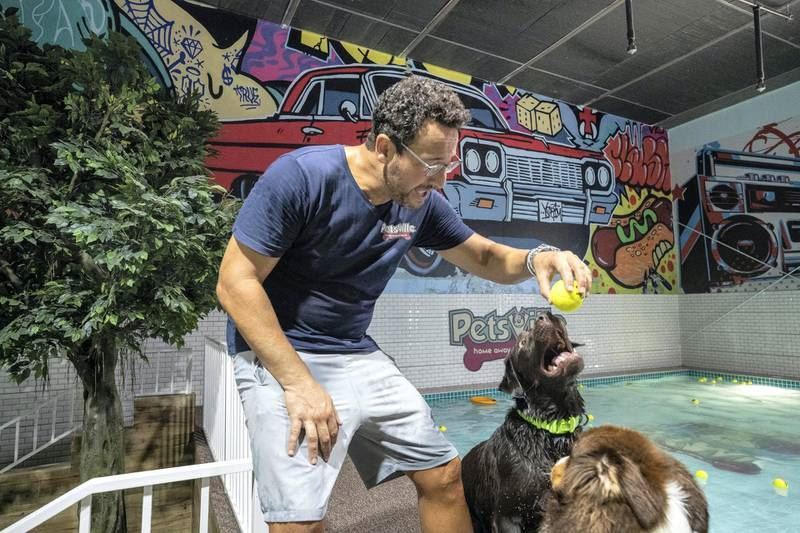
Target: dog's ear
x=557, y=473
x=646, y=504
x=510, y=384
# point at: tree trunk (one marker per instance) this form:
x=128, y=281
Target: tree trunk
x=102, y=446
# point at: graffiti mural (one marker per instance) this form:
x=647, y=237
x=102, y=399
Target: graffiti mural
x=64, y=22
x=197, y=60
x=534, y=169
x=739, y=215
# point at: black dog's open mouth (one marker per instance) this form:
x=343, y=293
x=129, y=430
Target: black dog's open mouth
x=560, y=360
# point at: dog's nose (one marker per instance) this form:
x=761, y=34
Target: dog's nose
x=542, y=317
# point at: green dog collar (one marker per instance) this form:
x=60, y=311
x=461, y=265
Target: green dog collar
x=556, y=427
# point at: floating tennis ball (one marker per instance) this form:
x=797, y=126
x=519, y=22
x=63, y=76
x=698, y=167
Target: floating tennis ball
x=696, y=401
x=781, y=486
x=442, y=428
x=563, y=299
x=701, y=476
x=702, y=380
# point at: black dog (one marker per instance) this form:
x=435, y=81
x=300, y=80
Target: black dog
x=507, y=477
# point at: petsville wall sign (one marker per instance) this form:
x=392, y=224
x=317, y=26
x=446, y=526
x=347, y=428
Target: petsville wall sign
x=491, y=336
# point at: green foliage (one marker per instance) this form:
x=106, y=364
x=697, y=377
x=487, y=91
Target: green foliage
x=109, y=228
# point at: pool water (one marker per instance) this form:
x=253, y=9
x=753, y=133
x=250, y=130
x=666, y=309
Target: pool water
x=743, y=436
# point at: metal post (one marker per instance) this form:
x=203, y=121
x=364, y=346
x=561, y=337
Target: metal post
x=204, y=504
x=631, y=33
x=759, y=48
x=147, y=508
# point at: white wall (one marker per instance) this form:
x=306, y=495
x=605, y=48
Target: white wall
x=755, y=327
x=621, y=333
x=730, y=126
x=748, y=333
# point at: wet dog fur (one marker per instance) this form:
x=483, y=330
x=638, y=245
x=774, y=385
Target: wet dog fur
x=507, y=477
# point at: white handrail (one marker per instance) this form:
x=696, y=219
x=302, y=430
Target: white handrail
x=226, y=433
x=57, y=402
x=83, y=492
x=150, y=385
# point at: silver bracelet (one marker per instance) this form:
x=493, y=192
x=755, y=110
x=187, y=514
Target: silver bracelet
x=533, y=252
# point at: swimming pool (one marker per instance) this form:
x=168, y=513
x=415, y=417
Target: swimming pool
x=743, y=435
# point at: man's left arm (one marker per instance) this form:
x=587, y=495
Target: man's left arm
x=503, y=264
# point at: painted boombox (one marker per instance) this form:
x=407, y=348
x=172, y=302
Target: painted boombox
x=740, y=219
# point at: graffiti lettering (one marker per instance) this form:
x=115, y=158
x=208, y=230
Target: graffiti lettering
x=490, y=337
x=248, y=95
x=645, y=166
x=490, y=328
x=771, y=140
x=551, y=211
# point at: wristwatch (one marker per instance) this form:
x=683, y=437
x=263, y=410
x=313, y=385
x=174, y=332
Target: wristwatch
x=533, y=253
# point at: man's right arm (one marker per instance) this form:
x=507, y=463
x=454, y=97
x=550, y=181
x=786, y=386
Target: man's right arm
x=241, y=294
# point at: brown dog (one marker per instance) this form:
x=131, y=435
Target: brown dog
x=618, y=481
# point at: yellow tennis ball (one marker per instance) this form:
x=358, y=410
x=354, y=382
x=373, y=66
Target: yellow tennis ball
x=701, y=474
x=442, y=428
x=563, y=299
x=779, y=483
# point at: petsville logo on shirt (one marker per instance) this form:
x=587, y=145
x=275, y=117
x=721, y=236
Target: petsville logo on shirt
x=403, y=230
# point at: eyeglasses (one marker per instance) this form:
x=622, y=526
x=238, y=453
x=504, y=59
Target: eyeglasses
x=433, y=170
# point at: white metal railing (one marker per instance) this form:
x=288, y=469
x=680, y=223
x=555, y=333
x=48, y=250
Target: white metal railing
x=57, y=405
x=164, y=373
x=226, y=433
x=82, y=494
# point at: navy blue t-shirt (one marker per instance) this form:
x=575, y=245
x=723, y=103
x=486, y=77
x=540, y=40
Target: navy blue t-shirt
x=337, y=250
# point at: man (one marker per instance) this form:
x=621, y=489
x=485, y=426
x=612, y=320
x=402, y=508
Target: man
x=315, y=243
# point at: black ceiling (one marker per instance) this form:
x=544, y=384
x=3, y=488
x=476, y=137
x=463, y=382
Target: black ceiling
x=694, y=56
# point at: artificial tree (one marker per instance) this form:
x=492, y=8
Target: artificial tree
x=110, y=230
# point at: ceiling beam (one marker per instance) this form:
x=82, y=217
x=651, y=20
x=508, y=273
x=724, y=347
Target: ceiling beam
x=484, y=52
x=288, y=14
x=676, y=60
x=774, y=83
x=787, y=16
x=750, y=12
x=594, y=18
x=666, y=65
x=430, y=26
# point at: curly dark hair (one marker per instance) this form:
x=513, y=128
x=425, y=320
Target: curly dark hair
x=405, y=106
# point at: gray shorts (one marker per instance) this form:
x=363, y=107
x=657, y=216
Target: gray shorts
x=387, y=429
